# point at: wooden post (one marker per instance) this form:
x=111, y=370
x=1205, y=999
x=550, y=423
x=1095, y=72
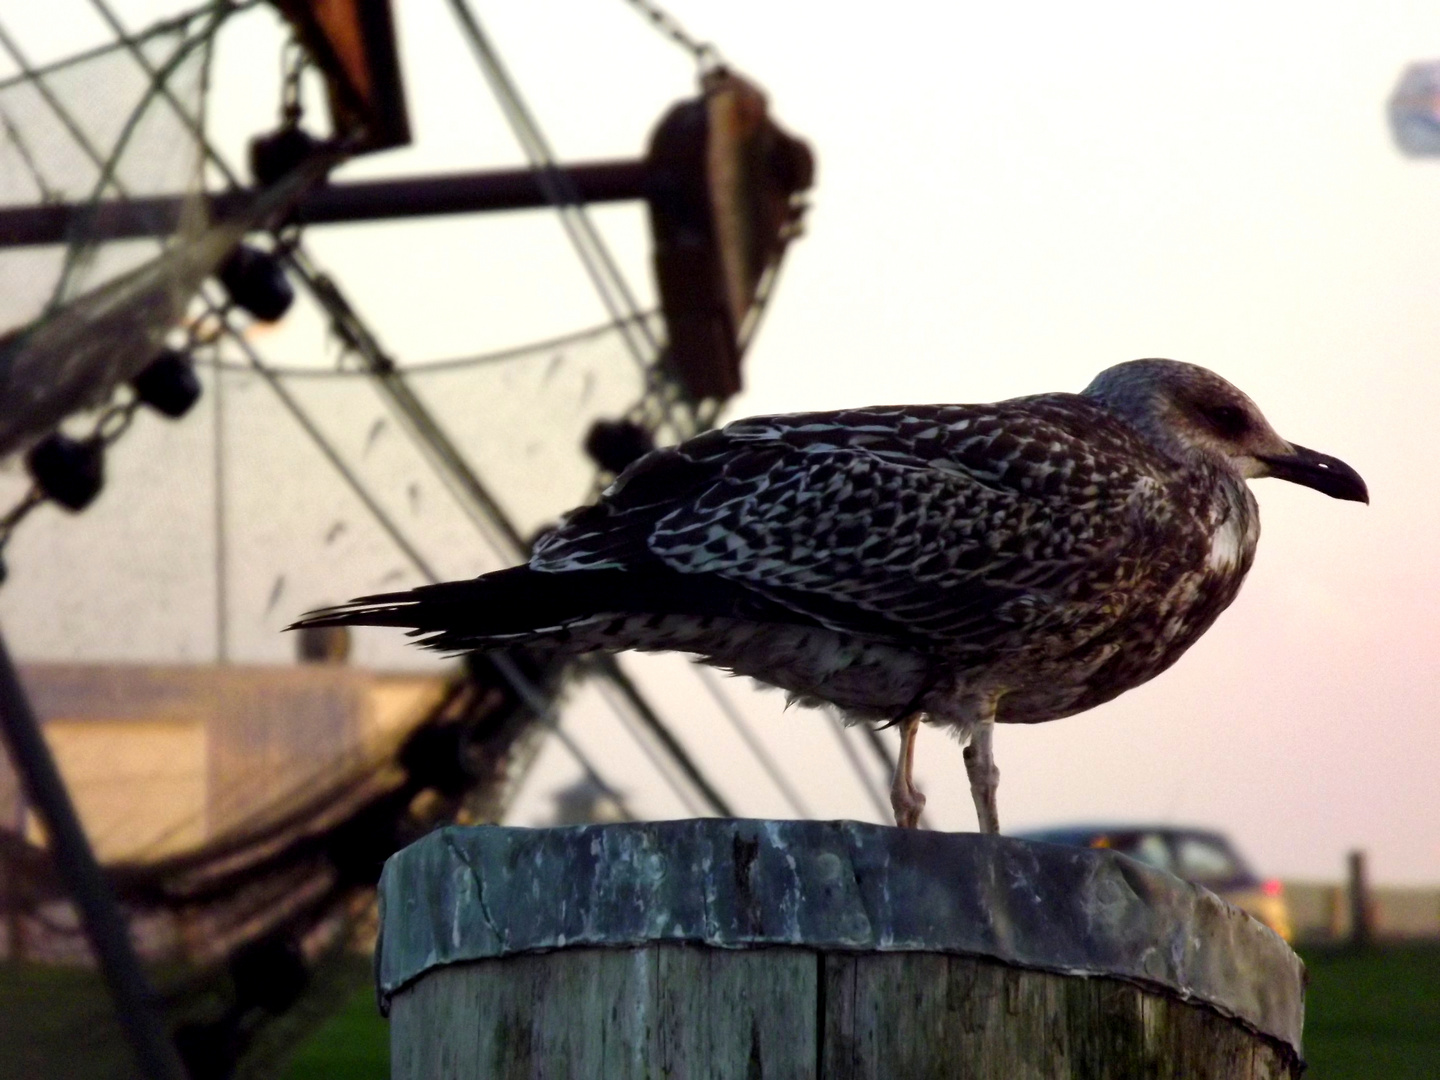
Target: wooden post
x=1361, y=910
x=768, y=949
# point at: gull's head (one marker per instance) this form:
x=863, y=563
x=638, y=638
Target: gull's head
x=1190, y=413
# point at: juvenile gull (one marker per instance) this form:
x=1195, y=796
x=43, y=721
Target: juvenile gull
x=959, y=564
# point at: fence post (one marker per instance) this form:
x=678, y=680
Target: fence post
x=1361, y=910
x=732, y=948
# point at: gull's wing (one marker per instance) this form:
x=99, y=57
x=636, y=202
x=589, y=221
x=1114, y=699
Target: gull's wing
x=941, y=524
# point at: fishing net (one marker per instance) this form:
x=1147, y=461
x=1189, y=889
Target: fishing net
x=242, y=808
x=106, y=128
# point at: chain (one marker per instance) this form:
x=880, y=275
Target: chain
x=114, y=420
x=16, y=514
x=293, y=61
x=706, y=55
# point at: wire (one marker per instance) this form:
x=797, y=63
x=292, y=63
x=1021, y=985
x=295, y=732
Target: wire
x=451, y=468
x=651, y=719
x=680, y=791
x=126, y=41
x=711, y=682
x=560, y=190
x=866, y=780
x=428, y=367
x=75, y=253
x=706, y=55
x=27, y=157
x=307, y=425
x=522, y=686
x=222, y=547
x=469, y=491
x=543, y=709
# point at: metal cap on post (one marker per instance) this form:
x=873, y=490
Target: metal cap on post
x=817, y=949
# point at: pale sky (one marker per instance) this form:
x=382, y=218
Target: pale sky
x=1010, y=198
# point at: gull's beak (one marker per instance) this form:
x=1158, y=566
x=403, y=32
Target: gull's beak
x=1319, y=471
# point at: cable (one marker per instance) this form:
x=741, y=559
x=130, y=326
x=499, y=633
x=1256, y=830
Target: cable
x=866, y=781
x=307, y=425
x=125, y=41
x=222, y=548
x=429, y=367
x=158, y=77
x=706, y=55
x=772, y=769
x=651, y=719
x=452, y=469
x=27, y=157
x=560, y=190
x=546, y=713
x=666, y=773
x=518, y=682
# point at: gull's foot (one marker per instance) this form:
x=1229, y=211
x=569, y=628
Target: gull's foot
x=908, y=804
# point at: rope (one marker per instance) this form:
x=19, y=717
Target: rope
x=522, y=686
x=430, y=367
x=622, y=307
x=28, y=75
x=707, y=56
x=679, y=790
x=560, y=191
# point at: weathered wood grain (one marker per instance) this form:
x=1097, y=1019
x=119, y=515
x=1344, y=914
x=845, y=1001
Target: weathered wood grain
x=818, y=950
x=695, y=1013
x=926, y=1015
x=679, y=1011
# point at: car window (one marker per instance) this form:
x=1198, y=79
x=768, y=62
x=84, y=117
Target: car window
x=1149, y=848
x=1203, y=859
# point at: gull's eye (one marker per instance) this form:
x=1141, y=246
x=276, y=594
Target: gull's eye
x=1229, y=421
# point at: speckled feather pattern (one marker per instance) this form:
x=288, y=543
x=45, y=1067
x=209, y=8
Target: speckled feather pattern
x=1038, y=553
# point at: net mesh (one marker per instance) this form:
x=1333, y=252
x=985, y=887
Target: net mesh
x=98, y=127
x=111, y=126
x=294, y=483
x=206, y=796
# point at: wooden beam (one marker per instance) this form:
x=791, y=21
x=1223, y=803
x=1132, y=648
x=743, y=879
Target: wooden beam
x=329, y=204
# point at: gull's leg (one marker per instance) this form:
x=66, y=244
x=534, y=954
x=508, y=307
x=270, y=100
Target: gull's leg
x=905, y=799
x=984, y=776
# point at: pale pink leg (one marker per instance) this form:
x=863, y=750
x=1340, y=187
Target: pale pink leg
x=905, y=798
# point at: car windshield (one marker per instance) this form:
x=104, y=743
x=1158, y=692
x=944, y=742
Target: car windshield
x=1204, y=858
x=1150, y=848
x=1195, y=855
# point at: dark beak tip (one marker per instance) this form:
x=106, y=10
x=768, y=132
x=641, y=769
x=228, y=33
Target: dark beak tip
x=1326, y=474
x=1348, y=484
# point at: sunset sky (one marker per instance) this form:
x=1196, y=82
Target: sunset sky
x=1010, y=198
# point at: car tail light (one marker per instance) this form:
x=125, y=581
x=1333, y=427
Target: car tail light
x=1272, y=887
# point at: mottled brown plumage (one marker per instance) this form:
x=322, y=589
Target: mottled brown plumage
x=1015, y=562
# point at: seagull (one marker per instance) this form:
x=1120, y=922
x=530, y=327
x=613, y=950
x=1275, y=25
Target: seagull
x=962, y=565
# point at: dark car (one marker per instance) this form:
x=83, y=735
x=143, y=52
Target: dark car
x=1198, y=855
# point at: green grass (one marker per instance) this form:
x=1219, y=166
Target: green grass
x=56, y=1022
x=1373, y=1015
x=354, y=1044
